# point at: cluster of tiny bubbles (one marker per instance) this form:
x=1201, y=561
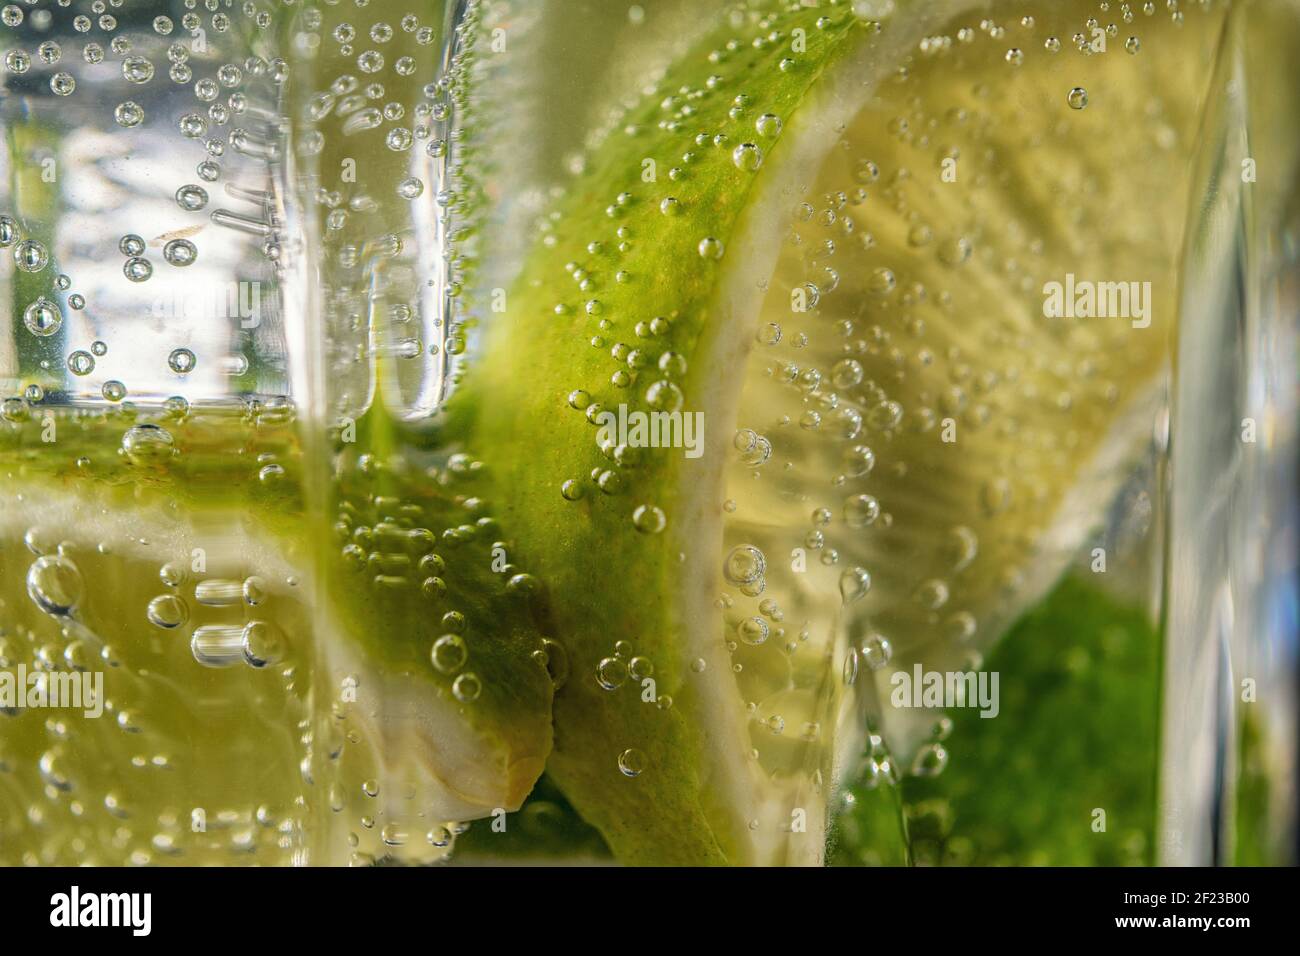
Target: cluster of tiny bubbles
x=613, y=671
x=745, y=567
x=753, y=448
x=873, y=10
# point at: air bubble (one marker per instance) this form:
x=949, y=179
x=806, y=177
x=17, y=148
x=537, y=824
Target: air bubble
x=877, y=651
x=854, y=585
x=861, y=511
x=611, y=673
x=753, y=630
x=262, y=643
x=449, y=653
x=467, y=687
x=631, y=762
x=137, y=69
x=181, y=361
x=399, y=139
x=710, y=248
x=747, y=156
x=649, y=519
x=43, y=317
x=129, y=114
x=881, y=282
x=930, y=760
x=180, y=252
x=168, y=611
x=54, y=583
x=191, y=197
x=745, y=564
x=30, y=255
x=137, y=269
x=255, y=592
x=147, y=444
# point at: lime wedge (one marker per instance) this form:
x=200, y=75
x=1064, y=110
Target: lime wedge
x=247, y=703
x=827, y=234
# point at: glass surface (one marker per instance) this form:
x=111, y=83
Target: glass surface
x=976, y=324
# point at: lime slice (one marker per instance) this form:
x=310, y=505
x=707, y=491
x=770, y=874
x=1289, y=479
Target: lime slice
x=828, y=232
x=247, y=702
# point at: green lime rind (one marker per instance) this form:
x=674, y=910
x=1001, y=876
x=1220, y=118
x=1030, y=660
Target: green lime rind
x=606, y=578
x=1077, y=731
x=418, y=564
x=36, y=207
x=546, y=828
x=215, y=466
